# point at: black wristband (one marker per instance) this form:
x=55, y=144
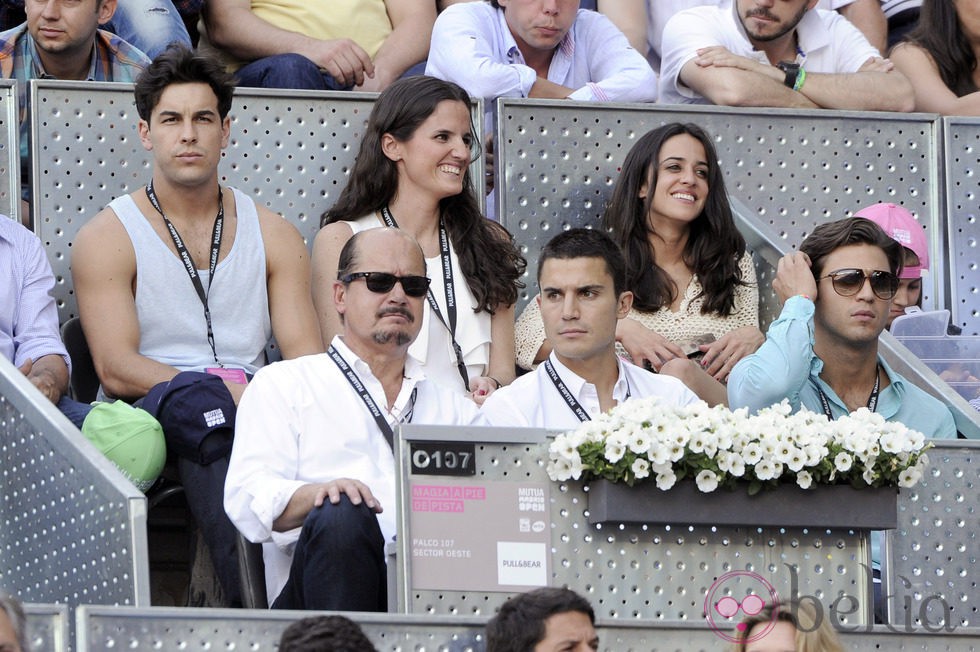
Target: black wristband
x=792, y=70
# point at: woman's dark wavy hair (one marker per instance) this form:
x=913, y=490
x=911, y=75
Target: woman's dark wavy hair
x=488, y=258
x=939, y=33
x=713, y=248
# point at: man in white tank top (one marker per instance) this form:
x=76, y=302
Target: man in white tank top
x=184, y=275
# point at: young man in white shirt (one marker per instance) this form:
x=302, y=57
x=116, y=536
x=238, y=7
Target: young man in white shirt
x=582, y=276
x=312, y=475
x=782, y=54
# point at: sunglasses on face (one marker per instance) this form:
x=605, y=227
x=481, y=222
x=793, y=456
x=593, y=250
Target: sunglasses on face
x=848, y=282
x=381, y=282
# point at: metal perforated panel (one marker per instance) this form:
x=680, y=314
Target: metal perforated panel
x=934, y=551
x=47, y=627
x=962, y=149
x=72, y=530
x=795, y=169
x=289, y=150
x=649, y=572
x=259, y=631
x=9, y=150
x=209, y=629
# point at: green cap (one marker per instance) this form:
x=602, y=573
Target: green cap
x=130, y=438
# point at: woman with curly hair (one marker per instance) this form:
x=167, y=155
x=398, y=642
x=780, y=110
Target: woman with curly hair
x=686, y=264
x=412, y=172
x=939, y=57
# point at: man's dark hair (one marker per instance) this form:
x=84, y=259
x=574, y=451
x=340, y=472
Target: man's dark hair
x=180, y=65
x=325, y=634
x=519, y=625
x=827, y=238
x=587, y=243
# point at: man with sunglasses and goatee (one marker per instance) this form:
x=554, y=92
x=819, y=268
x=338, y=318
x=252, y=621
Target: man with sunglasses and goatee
x=312, y=475
x=822, y=351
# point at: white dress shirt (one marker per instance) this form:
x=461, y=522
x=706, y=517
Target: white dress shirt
x=301, y=422
x=828, y=43
x=473, y=47
x=533, y=400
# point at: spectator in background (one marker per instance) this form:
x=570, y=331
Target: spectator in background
x=13, y=625
x=899, y=225
x=866, y=15
x=789, y=626
x=939, y=57
x=29, y=335
x=779, y=54
x=413, y=172
x=149, y=25
x=902, y=17
x=822, y=351
x=537, y=48
x=543, y=620
x=325, y=634
x=686, y=265
x=62, y=41
x=361, y=45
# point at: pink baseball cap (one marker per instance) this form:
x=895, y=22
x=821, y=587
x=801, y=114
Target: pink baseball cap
x=902, y=227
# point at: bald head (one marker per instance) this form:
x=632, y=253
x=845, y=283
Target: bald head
x=370, y=238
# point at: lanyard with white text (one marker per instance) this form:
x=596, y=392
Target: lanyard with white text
x=872, y=399
x=185, y=257
x=570, y=400
x=372, y=407
x=450, y=288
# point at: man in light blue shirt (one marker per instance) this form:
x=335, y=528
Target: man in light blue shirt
x=822, y=351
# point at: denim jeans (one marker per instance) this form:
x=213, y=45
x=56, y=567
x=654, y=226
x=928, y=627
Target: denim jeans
x=150, y=25
x=338, y=563
x=296, y=71
x=287, y=71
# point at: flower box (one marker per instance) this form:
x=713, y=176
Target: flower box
x=824, y=506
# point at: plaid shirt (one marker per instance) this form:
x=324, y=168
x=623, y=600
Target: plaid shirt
x=113, y=59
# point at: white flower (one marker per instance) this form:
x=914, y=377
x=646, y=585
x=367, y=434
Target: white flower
x=909, y=477
x=766, y=470
x=869, y=475
x=804, y=479
x=615, y=447
x=707, y=481
x=639, y=441
x=666, y=480
x=640, y=468
x=843, y=462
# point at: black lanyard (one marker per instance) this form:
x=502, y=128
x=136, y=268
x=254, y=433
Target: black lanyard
x=372, y=407
x=872, y=399
x=450, y=288
x=185, y=257
x=570, y=400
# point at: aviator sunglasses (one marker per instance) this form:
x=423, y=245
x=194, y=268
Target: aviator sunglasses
x=848, y=282
x=381, y=282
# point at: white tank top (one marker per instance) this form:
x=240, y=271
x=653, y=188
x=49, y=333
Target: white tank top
x=171, y=316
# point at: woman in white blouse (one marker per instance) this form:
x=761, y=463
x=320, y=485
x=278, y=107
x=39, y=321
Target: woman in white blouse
x=412, y=172
x=686, y=263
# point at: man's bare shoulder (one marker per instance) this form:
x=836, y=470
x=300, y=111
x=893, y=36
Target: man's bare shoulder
x=104, y=236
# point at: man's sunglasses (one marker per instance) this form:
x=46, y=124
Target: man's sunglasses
x=848, y=282
x=381, y=282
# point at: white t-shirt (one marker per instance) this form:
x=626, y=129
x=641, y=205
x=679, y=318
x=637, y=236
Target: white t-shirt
x=828, y=43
